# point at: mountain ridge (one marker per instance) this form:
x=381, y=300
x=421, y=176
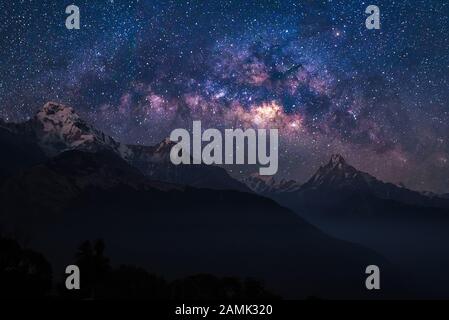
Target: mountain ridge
x=338, y=180
x=269, y=185
x=57, y=128
x=79, y=195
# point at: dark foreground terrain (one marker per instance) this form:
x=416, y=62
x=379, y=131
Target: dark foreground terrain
x=61, y=186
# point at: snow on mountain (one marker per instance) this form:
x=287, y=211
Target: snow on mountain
x=269, y=185
x=337, y=173
x=154, y=162
x=337, y=180
x=57, y=128
x=156, y=154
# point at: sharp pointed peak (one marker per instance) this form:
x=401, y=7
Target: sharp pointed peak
x=337, y=159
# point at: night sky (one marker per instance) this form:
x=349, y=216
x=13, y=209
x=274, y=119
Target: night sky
x=138, y=69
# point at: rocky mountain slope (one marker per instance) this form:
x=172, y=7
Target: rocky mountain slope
x=57, y=128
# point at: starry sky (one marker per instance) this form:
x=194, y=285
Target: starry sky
x=138, y=69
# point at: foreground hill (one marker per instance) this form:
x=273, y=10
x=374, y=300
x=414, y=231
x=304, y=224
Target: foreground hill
x=408, y=227
x=178, y=231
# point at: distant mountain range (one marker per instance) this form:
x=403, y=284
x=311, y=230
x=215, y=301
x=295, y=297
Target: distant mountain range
x=63, y=182
x=410, y=228
x=268, y=185
x=338, y=184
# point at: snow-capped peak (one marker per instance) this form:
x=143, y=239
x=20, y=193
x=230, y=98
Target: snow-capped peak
x=57, y=111
x=268, y=184
x=60, y=123
x=337, y=173
x=59, y=128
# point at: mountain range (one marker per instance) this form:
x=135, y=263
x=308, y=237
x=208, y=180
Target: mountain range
x=268, y=185
x=62, y=181
x=408, y=227
x=57, y=128
x=336, y=184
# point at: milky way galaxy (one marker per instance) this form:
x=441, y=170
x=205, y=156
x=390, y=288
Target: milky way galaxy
x=139, y=69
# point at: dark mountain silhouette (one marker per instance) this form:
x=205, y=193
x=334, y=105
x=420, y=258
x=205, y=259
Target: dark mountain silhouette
x=54, y=185
x=408, y=227
x=155, y=163
x=87, y=185
x=179, y=231
x=63, y=181
x=19, y=151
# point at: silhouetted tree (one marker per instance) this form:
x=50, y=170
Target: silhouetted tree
x=130, y=282
x=209, y=287
x=100, y=281
x=23, y=273
x=255, y=290
x=94, y=269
